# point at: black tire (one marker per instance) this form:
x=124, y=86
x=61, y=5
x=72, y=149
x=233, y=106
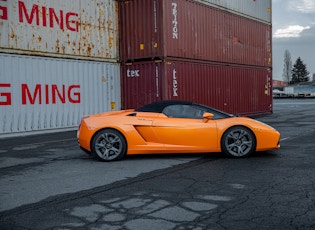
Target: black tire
x=238, y=141
x=108, y=145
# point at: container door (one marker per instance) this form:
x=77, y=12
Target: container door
x=141, y=84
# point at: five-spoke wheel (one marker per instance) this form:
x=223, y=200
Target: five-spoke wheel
x=109, y=145
x=238, y=141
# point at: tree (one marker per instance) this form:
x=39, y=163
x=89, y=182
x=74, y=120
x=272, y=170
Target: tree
x=299, y=72
x=287, y=67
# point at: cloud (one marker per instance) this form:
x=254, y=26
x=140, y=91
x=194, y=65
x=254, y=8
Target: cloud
x=293, y=31
x=293, y=26
x=303, y=6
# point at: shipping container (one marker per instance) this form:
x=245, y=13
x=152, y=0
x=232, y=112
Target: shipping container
x=236, y=89
x=258, y=10
x=152, y=29
x=38, y=93
x=141, y=83
x=73, y=29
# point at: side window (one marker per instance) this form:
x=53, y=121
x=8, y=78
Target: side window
x=183, y=111
x=173, y=111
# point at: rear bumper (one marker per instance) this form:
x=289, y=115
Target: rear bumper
x=84, y=150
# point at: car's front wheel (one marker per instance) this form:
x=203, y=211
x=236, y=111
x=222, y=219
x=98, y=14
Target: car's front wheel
x=238, y=141
x=108, y=145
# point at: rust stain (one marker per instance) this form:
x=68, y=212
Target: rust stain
x=12, y=35
x=57, y=46
x=78, y=48
x=68, y=41
x=110, y=42
x=95, y=38
x=89, y=50
x=33, y=39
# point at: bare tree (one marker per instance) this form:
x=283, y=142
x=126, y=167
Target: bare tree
x=287, y=66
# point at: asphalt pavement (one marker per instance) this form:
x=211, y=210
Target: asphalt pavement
x=269, y=190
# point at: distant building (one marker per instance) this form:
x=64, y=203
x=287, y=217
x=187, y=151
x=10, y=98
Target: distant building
x=303, y=89
x=279, y=84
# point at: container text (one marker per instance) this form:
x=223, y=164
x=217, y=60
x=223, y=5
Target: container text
x=42, y=94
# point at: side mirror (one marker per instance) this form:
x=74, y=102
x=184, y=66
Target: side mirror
x=207, y=116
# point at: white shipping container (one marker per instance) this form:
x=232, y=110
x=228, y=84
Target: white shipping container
x=60, y=28
x=259, y=10
x=48, y=93
x=289, y=91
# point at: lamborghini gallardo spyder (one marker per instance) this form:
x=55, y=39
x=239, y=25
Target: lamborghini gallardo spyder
x=173, y=127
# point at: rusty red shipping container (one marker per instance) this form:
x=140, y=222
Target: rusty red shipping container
x=141, y=83
x=236, y=89
x=188, y=29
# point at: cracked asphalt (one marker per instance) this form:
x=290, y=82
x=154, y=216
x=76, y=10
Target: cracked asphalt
x=270, y=190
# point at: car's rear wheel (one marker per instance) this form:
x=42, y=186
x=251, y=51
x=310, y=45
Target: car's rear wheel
x=108, y=145
x=238, y=141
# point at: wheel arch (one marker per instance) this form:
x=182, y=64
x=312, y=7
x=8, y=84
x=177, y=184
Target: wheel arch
x=234, y=126
x=108, y=128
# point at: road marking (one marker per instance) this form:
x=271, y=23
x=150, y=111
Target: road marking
x=283, y=139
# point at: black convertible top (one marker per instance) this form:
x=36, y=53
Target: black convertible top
x=158, y=106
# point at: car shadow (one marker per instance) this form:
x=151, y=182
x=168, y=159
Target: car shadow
x=184, y=156
x=187, y=156
x=265, y=154
x=214, y=156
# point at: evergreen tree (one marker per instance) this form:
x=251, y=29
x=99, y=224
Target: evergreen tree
x=287, y=66
x=299, y=72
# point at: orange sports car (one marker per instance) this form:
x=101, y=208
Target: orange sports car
x=173, y=127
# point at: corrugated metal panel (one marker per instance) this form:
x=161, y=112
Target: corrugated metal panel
x=141, y=29
x=75, y=29
x=185, y=29
x=47, y=93
x=235, y=89
x=255, y=9
x=141, y=83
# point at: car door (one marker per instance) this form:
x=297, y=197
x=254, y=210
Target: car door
x=185, y=130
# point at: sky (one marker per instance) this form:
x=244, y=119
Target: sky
x=293, y=28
